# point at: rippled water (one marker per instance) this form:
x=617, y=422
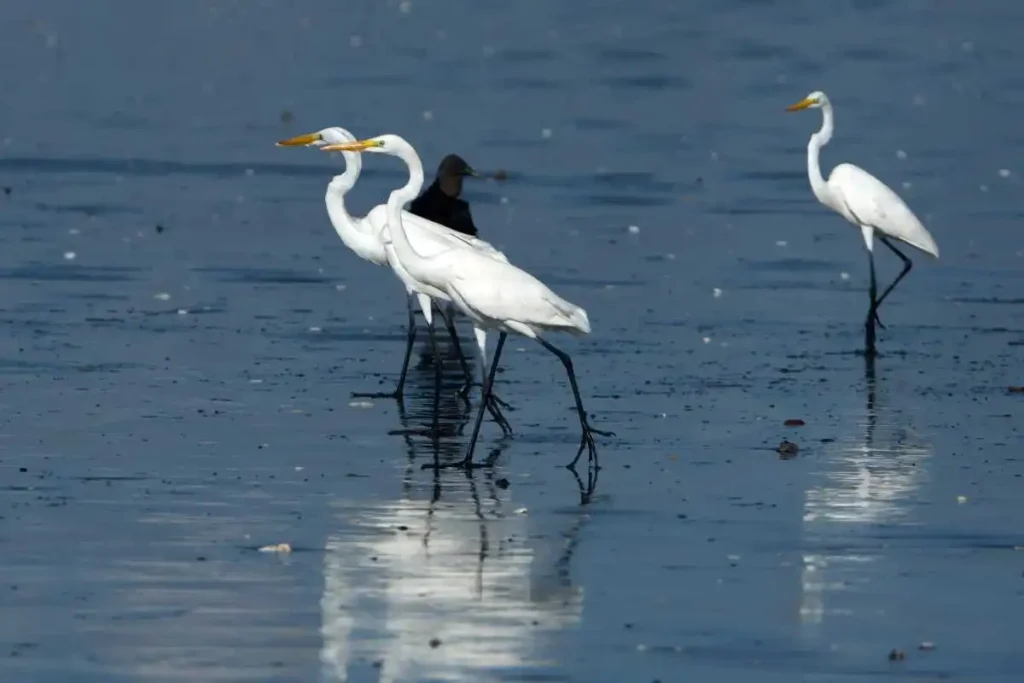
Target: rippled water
x=184, y=330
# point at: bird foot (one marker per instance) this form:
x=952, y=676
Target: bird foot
x=494, y=408
x=586, y=442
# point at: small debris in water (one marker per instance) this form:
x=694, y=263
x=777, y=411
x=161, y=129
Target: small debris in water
x=634, y=230
x=897, y=655
x=8, y=190
x=716, y=292
x=279, y=548
x=287, y=116
x=787, y=449
x=70, y=255
x=435, y=643
x=521, y=511
x=500, y=174
x=502, y=483
x=162, y=296
x=961, y=499
x=1017, y=389
x=360, y=404
x=794, y=422
x=160, y=228
x=926, y=646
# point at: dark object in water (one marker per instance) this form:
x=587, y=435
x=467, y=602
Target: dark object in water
x=787, y=449
x=794, y=422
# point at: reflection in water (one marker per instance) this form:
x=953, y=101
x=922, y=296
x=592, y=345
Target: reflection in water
x=868, y=483
x=449, y=579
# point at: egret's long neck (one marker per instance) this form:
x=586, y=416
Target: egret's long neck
x=336, y=191
x=398, y=199
x=819, y=140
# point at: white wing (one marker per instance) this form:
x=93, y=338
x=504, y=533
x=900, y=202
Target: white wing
x=429, y=238
x=873, y=204
x=503, y=294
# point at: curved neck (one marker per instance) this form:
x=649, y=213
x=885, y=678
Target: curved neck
x=344, y=224
x=819, y=140
x=397, y=201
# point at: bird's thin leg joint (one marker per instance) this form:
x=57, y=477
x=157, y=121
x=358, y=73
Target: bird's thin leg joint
x=587, y=438
x=907, y=265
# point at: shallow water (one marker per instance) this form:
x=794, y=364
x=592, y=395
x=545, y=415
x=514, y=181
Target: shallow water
x=184, y=330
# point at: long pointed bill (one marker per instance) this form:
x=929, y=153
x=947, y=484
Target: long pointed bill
x=301, y=140
x=358, y=146
x=802, y=104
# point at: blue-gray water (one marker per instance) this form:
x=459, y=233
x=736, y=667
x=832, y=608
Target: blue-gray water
x=174, y=399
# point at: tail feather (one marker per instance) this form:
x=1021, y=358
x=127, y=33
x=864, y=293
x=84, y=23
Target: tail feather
x=573, y=317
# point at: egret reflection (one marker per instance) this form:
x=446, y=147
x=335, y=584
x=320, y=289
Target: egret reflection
x=867, y=481
x=452, y=575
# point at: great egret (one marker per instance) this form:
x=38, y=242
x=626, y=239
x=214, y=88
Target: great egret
x=440, y=201
x=868, y=203
x=494, y=294
x=364, y=237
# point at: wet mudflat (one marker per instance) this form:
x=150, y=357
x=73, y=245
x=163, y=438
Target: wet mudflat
x=183, y=331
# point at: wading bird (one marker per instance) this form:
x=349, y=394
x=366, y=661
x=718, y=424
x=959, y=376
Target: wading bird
x=494, y=294
x=440, y=202
x=868, y=203
x=364, y=236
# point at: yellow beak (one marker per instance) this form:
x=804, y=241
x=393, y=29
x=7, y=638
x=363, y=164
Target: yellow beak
x=300, y=140
x=802, y=104
x=358, y=146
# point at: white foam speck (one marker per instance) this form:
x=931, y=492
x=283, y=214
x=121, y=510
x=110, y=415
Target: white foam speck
x=900, y=154
x=782, y=243
x=716, y=292
x=634, y=230
x=162, y=296
x=1004, y=173
x=70, y=255
x=546, y=133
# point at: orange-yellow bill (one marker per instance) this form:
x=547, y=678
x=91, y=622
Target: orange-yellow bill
x=802, y=104
x=300, y=140
x=357, y=146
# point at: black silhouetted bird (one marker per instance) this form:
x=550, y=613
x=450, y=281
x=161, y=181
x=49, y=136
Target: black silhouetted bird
x=440, y=202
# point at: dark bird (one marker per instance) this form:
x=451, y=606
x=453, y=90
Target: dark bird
x=440, y=202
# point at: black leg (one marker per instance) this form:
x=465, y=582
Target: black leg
x=468, y=374
x=869, y=323
x=410, y=339
x=438, y=367
x=587, y=440
x=907, y=265
x=467, y=462
x=466, y=371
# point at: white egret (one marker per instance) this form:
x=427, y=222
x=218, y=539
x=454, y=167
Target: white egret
x=364, y=236
x=868, y=203
x=493, y=293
